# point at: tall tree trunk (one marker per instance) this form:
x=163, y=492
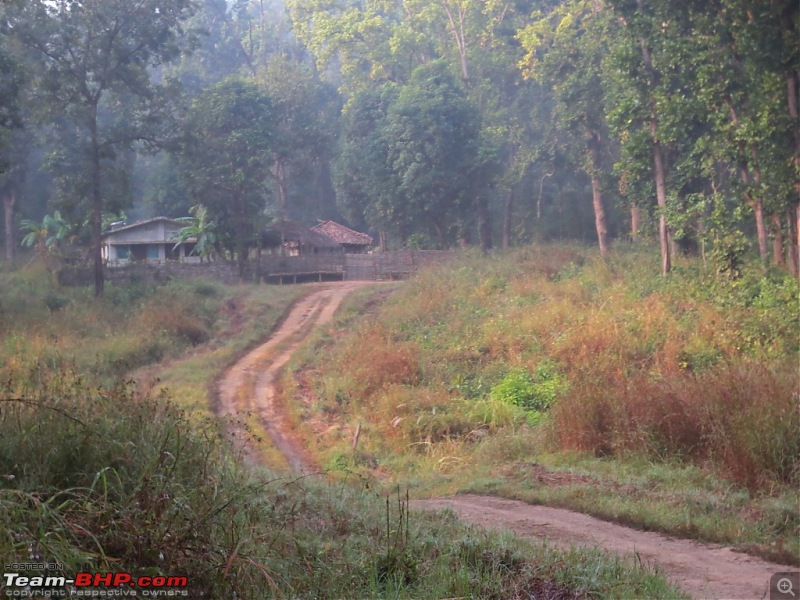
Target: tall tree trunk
x=758, y=211
x=539, y=198
x=635, y=217
x=484, y=224
x=280, y=178
x=507, y=211
x=794, y=248
x=761, y=230
x=791, y=228
x=97, y=209
x=756, y=203
x=778, y=255
x=599, y=216
x=459, y=36
x=9, y=211
x=593, y=141
x=661, y=198
x=793, y=86
x=658, y=158
x=761, y=225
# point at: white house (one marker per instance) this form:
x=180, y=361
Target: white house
x=150, y=241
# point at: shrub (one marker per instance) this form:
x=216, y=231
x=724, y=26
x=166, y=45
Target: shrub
x=533, y=393
x=742, y=417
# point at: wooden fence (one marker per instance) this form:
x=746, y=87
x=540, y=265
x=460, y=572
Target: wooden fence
x=352, y=267
x=274, y=269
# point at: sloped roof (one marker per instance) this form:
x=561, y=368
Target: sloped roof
x=129, y=226
x=295, y=232
x=341, y=234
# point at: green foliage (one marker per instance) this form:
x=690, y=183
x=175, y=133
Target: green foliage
x=47, y=235
x=226, y=163
x=67, y=45
x=201, y=228
x=535, y=393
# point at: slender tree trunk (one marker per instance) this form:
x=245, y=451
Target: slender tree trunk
x=484, y=224
x=791, y=224
x=507, y=211
x=758, y=211
x=280, y=178
x=797, y=237
x=9, y=211
x=593, y=141
x=793, y=89
x=658, y=159
x=460, y=37
x=599, y=216
x=242, y=228
x=661, y=198
x=756, y=203
x=761, y=225
x=440, y=233
x=635, y=217
x=761, y=229
x=539, y=198
x=97, y=209
x=778, y=255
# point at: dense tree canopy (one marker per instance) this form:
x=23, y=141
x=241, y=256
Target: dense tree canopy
x=431, y=123
x=92, y=60
x=227, y=158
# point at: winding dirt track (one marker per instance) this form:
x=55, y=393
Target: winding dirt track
x=248, y=387
x=702, y=570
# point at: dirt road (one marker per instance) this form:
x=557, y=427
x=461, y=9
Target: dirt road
x=702, y=570
x=248, y=387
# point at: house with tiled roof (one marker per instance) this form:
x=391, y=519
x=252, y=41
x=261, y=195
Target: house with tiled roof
x=350, y=240
x=288, y=238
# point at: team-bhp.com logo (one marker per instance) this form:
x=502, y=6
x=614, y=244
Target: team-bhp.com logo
x=92, y=585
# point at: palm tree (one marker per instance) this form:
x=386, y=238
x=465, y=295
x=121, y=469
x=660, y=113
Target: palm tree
x=202, y=229
x=47, y=235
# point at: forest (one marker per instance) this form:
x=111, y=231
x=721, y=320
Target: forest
x=613, y=333
x=432, y=124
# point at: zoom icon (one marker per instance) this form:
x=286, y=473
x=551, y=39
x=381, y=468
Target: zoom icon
x=785, y=586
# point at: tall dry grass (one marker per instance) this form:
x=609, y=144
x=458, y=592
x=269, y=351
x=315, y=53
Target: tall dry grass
x=741, y=418
x=688, y=367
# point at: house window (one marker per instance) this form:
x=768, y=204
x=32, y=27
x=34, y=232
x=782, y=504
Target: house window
x=123, y=252
x=152, y=252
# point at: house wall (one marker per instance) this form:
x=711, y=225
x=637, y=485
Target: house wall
x=150, y=242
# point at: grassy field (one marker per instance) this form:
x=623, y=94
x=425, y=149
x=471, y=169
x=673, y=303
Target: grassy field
x=102, y=473
x=553, y=376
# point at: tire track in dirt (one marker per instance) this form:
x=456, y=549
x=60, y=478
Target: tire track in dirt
x=702, y=570
x=248, y=387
